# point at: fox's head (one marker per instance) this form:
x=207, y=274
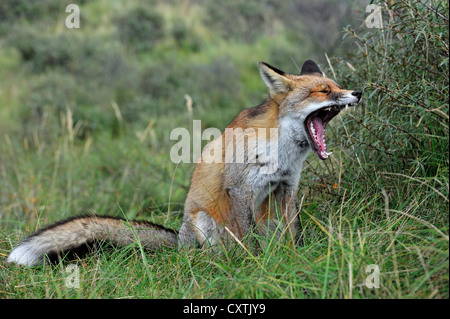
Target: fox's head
x=309, y=98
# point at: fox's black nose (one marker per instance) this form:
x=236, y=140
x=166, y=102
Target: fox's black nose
x=358, y=94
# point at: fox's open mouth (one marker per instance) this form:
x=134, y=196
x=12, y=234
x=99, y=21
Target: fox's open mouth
x=316, y=123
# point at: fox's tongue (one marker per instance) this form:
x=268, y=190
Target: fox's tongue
x=315, y=124
x=316, y=129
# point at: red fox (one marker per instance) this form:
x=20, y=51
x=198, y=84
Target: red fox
x=227, y=200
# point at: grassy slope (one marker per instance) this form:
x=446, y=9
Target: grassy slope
x=349, y=220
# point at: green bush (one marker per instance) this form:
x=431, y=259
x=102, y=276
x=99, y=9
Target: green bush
x=184, y=37
x=239, y=19
x=71, y=67
x=141, y=28
x=12, y=10
x=212, y=85
x=42, y=51
x=51, y=95
x=405, y=70
x=400, y=135
x=216, y=84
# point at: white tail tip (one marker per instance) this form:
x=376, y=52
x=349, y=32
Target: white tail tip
x=25, y=254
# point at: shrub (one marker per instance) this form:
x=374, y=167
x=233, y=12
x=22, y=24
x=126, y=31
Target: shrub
x=71, y=67
x=141, y=28
x=405, y=69
x=238, y=19
x=212, y=85
x=400, y=135
x=184, y=37
x=12, y=10
x=42, y=51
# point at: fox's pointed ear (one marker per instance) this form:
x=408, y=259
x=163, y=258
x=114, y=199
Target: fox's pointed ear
x=275, y=79
x=310, y=67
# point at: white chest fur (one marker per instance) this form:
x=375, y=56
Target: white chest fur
x=282, y=162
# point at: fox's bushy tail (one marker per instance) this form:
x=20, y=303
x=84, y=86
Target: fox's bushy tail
x=74, y=233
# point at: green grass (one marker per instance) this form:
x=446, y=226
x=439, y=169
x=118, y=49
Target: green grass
x=380, y=199
x=341, y=240
x=347, y=227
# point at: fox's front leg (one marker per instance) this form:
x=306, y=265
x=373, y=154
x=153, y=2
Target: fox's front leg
x=242, y=221
x=289, y=207
x=227, y=218
x=230, y=222
x=279, y=214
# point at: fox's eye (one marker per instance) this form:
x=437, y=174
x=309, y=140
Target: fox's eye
x=325, y=91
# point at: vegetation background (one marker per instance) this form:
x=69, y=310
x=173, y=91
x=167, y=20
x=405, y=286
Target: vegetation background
x=86, y=114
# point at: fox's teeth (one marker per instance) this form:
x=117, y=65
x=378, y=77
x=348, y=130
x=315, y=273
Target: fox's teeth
x=313, y=130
